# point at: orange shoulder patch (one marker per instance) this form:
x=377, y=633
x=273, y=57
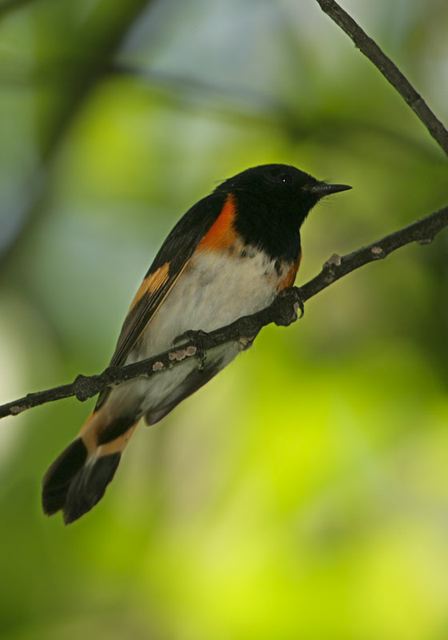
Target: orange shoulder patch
x=152, y=283
x=288, y=279
x=221, y=234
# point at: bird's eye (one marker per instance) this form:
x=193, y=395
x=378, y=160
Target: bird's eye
x=284, y=178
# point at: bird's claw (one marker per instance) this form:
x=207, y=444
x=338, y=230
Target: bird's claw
x=300, y=304
x=199, y=338
x=289, y=302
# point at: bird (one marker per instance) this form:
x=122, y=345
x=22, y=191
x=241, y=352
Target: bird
x=229, y=256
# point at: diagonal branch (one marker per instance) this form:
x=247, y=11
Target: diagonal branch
x=283, y=311
x=388, y=69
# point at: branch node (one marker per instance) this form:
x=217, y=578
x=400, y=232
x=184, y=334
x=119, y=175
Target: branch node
x=83, y=387
x=333, y=261
x=378, y=252
x=15, y=409
x=330, y=267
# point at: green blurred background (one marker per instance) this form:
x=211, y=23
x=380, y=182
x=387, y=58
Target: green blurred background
x=302, y=494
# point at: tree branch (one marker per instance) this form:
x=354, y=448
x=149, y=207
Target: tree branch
x=388, y=69
x=283, y=311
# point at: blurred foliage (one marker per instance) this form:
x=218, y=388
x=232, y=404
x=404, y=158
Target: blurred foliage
x=303, y=494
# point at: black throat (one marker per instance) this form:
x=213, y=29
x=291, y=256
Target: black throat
x=272, y=227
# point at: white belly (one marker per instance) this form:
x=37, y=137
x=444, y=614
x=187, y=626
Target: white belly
x=214, y=290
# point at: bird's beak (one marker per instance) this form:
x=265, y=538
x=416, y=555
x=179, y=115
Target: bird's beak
x=322, y=189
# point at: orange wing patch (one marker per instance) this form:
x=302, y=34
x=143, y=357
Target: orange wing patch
x=152, y=283
x=221, y=234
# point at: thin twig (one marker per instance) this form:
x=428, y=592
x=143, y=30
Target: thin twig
x=283, y=311
x=388, y=69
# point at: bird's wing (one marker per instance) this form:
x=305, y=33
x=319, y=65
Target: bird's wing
x=211, y=216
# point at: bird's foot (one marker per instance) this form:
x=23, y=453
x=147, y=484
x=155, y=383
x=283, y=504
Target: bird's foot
x=288, y=304
x=200, y=340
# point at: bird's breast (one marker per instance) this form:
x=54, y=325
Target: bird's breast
x=215, y=289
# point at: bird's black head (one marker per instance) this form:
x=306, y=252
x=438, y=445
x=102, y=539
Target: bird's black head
x=283, y=188
x=273, y=200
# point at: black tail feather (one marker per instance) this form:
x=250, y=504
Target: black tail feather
x=59, y=476
x=89, y=485
x=75, y=484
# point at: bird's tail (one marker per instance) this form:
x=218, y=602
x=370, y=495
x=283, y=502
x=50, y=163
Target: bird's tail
x=79, y=476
